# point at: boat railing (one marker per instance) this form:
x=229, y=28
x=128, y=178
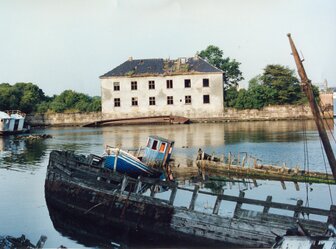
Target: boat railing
x=110, y=150
x=317, y=217
x=18, y=112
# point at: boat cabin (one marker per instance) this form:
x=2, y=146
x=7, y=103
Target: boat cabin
x=157, y=151
x=11, y=122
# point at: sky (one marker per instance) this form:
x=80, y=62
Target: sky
x=68, y=44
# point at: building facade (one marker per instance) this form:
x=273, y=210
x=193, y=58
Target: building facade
x=188, y=87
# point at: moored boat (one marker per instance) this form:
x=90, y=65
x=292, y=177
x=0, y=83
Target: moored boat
x=12, y=122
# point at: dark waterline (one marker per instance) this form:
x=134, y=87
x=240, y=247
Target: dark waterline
x=23, y=166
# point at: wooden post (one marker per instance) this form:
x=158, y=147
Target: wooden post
x=283, y=185
x=138, y=185
x=229, y=159
x=172, y=196
x=115, y=160
x=152, y=189
x=267, y=206
x=239, y=204
x=193, y=198
x=123, y=183
x=218, y=202
x=298, y=208
x=297, y=187
x=332, y=215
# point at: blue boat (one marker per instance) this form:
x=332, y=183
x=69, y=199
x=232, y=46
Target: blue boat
x=152, y=164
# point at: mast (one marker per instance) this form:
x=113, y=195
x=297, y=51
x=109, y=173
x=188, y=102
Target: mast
x=307, y=89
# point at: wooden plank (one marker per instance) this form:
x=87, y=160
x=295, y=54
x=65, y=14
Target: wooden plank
x=193, y=198
x=217, y=203
x=298, y=208
x=172, y=196
x=267, y=205
x=332, y=215
x=138, y=185
x=239, y=203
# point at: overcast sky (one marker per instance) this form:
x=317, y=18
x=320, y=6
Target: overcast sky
x=68, y=44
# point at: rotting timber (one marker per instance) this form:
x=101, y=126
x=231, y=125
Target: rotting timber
x=234, y=167
x=80, y=186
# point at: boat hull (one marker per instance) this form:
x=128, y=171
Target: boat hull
x=130, y=166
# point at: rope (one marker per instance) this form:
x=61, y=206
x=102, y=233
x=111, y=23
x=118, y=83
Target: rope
x=305, y=160
x=326, y=171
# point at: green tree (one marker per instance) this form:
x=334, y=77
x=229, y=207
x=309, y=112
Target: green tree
x=22, y=96
x=283, y=84
x=232, y=74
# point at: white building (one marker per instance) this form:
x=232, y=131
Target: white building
x=188, y=87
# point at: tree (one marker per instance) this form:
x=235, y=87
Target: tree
x=21, y=96
x=284, y=84
x=232, y=74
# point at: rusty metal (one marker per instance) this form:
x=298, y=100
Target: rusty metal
x=307, y=89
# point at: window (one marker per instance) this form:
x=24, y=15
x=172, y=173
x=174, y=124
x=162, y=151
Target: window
x=154, y=146
x=151, y=84
x=162, y=147
x=169, y=83
x=134, y=101
x=117, y=102
x=151, y=100
x=188, y=99
x=205, y=82
x=187, y=83
x=206, y=99
x=170, y=100
x=116, y=86
x=134, y=85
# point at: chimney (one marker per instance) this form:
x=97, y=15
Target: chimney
x=130, y=58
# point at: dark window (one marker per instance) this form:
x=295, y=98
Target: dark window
x=116, y=86
x=188, y=99
x=116, y=102
x=151, y=100
x=206, y=99
x=169, y=83
x=170, y=100
x=151, y=84
x=187, y=83
x=154, y=146
x=134, y=85
x=205, y=82
x=134, y=101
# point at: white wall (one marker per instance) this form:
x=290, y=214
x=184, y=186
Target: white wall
x=194, y=110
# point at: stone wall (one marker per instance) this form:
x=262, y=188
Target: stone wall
x=285, y=112
x=63, y=119
x=288, y=112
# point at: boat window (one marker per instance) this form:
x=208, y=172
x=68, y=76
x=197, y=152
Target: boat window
x=162, y=147
x=170, y=150
x=154, y=146
x=148, y=143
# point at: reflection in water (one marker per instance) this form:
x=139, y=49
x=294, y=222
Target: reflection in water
x=98, y=235
x=24, y=210
x=19, y=153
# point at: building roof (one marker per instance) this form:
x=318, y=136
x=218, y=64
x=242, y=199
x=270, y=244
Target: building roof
x=149, y=67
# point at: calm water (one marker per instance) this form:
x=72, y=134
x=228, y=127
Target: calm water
x=23, y=167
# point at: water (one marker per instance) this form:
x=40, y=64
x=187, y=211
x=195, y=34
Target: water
x=23, y=167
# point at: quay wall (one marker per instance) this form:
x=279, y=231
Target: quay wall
x=286, y=112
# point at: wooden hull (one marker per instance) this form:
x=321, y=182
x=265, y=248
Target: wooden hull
x=103, y=197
